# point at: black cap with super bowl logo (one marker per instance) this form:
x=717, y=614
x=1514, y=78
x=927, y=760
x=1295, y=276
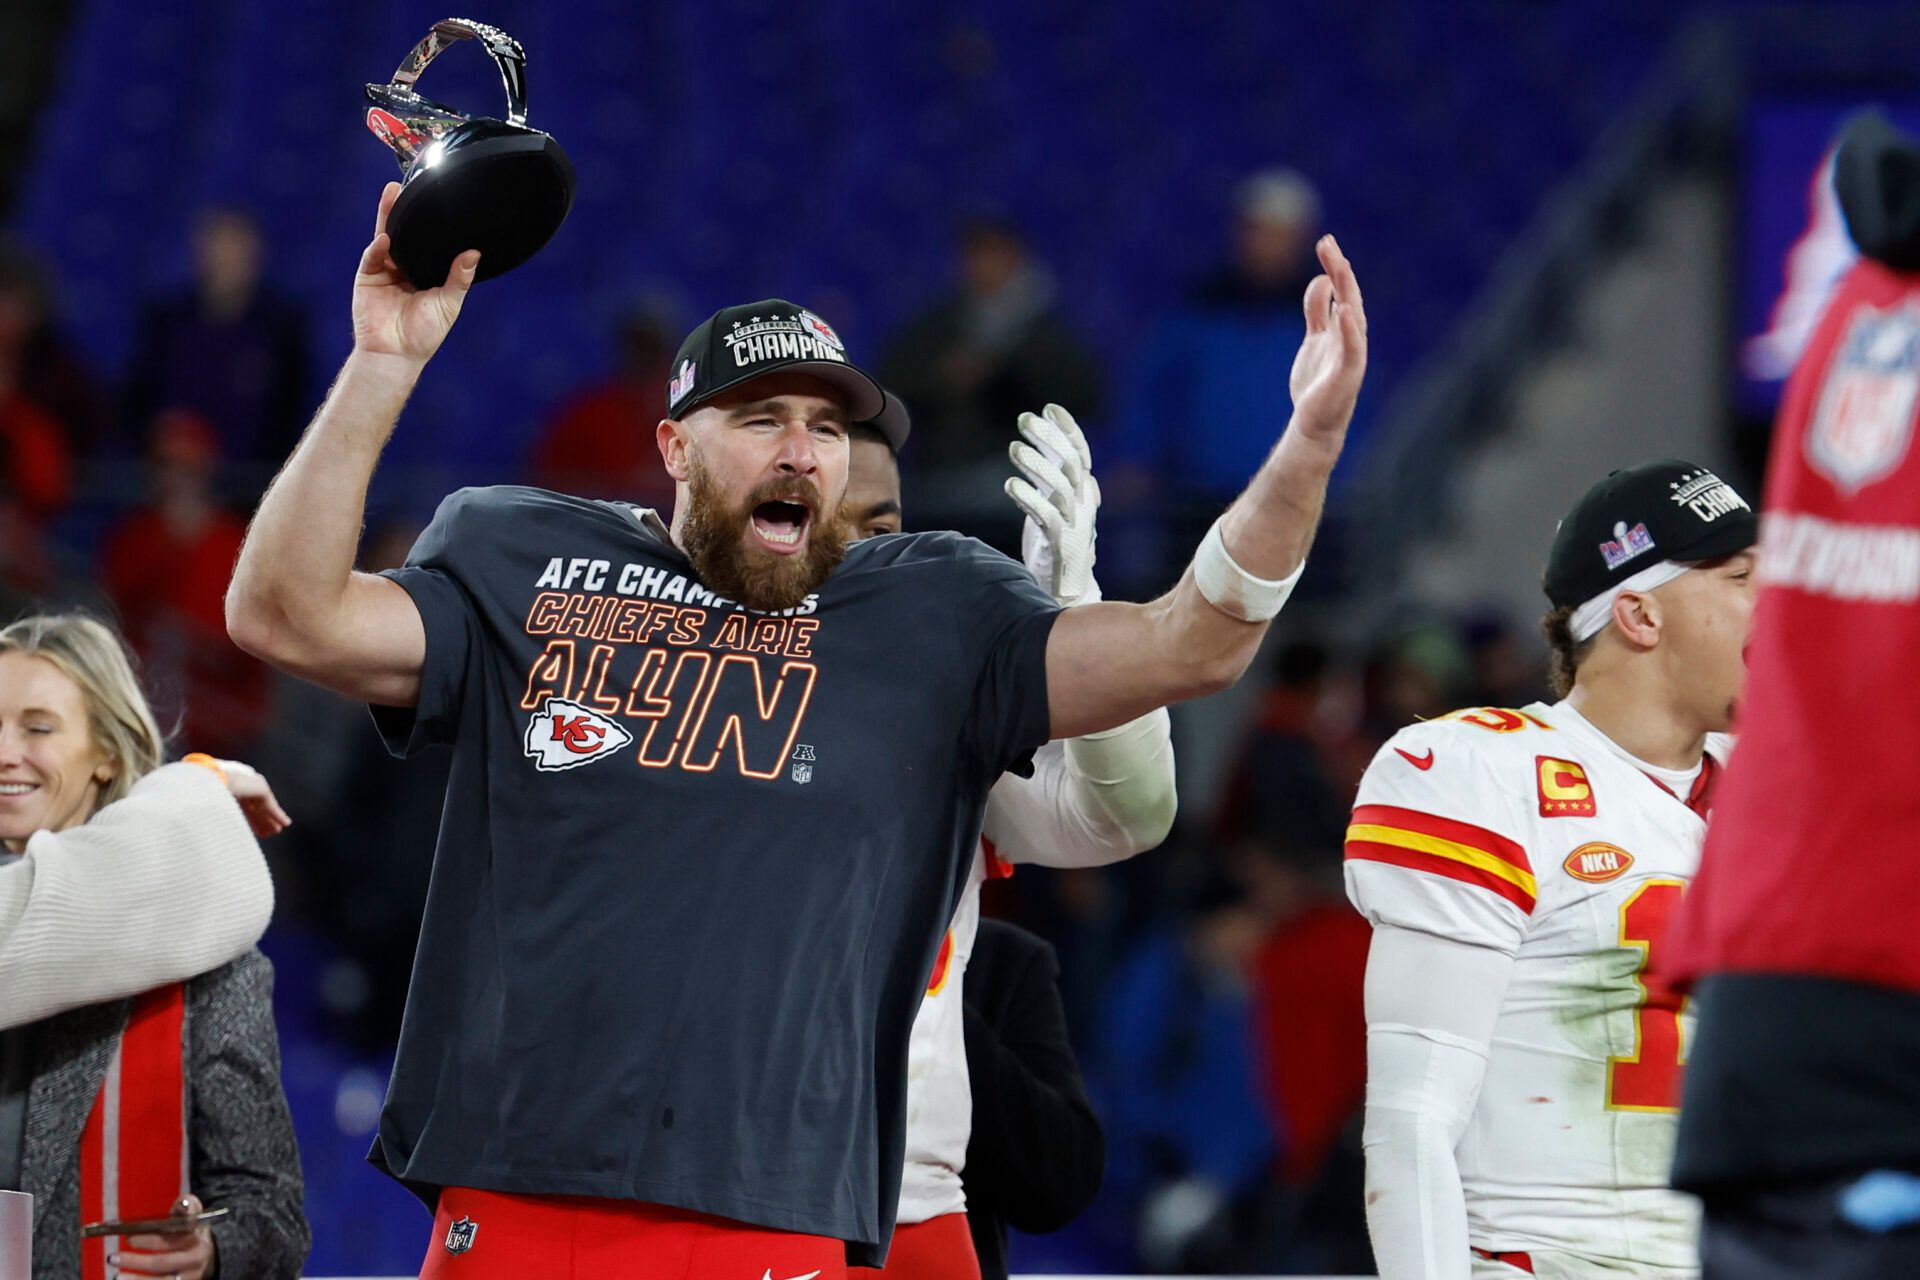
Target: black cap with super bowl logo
x=1636, y=518
x=737, y=344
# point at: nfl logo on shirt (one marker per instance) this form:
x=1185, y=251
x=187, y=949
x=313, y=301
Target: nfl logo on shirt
x=1863, y=422
x=460, y=1235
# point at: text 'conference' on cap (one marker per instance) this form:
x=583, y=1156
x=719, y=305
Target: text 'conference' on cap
x=1665, y=510
x=738, y=344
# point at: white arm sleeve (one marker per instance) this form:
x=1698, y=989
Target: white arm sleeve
x=1431, y=1007
x=158, y=887
x=1091, y=800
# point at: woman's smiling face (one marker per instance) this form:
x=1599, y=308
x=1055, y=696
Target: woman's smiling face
x=51, y=769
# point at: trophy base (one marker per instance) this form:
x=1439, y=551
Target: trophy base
x=500, y=189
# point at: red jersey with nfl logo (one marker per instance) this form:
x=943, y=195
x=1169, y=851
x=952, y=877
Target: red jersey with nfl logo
x=1809, y=868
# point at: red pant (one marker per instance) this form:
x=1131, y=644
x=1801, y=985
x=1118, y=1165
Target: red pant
x=493, y=1235
x=938, y=1249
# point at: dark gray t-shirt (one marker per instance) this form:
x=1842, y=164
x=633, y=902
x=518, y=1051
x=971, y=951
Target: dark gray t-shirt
x=695, y=862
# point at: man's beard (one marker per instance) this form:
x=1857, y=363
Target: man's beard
x=717, y=538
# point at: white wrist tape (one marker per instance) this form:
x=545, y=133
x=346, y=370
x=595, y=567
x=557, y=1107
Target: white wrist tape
x=1234, y=591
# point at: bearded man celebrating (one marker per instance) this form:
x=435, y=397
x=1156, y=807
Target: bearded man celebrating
x=716, y=787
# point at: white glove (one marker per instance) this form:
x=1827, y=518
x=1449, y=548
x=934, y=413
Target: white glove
x=1057, y=491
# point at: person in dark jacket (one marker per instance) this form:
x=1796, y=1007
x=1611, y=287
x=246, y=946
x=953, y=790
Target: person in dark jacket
x=230, y=347
x=971, y=362
x=1037, y=1153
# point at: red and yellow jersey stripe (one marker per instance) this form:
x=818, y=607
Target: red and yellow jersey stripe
x=1443, y=847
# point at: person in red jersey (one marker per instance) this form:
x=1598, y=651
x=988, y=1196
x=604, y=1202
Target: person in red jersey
x=1800, y=1125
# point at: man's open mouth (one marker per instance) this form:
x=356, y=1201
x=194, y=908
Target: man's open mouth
x=782, y=524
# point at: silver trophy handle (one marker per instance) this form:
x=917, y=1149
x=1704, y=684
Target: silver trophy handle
x=409, y=121
x=501, y=47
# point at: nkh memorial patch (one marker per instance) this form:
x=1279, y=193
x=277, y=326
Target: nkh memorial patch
x=1863, y=421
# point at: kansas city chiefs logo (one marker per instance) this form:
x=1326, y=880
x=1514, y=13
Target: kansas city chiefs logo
x=564, y=734
x=822, y=330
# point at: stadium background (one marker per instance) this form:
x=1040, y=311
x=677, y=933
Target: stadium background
x=1573, y=222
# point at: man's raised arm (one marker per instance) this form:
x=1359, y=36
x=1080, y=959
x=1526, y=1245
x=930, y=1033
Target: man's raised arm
x=1108, y=663
x=295, y=600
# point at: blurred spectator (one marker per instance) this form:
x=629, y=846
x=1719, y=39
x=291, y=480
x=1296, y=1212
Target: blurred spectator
x=1311, y=1037
x=36, y=478
x=1421, y=673
x=1188, y=1141
x=38, y=367
x=996, y=346
x=599, y=443
x=1282, y=789
x=38, y=377
x=166, y=567
x=1507, y=667
x=228, y=347
x=1208, y=396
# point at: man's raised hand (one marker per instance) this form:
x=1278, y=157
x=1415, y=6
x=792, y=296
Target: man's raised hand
x=390, y=316
x=1333, y=356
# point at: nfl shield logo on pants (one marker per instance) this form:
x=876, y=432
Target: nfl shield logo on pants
x=1863, y=420
x=460, y=1235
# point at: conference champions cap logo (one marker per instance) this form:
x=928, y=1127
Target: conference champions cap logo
x=783, y=339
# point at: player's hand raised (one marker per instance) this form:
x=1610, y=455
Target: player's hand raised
x=1057, y=491
x=1333, y=357
x=390, y=316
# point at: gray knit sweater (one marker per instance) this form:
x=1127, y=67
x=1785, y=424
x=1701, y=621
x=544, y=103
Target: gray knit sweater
x=162, y=885
x=239, y=1133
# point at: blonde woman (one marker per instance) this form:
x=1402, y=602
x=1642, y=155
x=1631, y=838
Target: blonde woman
x=160, y=885
x=130, y=1107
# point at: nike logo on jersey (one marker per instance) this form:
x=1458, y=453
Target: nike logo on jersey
x=809, y=1276
x=1422, y=763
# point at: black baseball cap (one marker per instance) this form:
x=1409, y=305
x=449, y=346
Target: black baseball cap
x=1665, y=510
x=738, y=344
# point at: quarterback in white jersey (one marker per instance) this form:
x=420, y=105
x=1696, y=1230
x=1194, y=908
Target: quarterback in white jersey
x=1090, y=801
x=1519, y=868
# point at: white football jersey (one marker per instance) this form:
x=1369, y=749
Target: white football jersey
x=939, y=1091
x=1530, y=832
